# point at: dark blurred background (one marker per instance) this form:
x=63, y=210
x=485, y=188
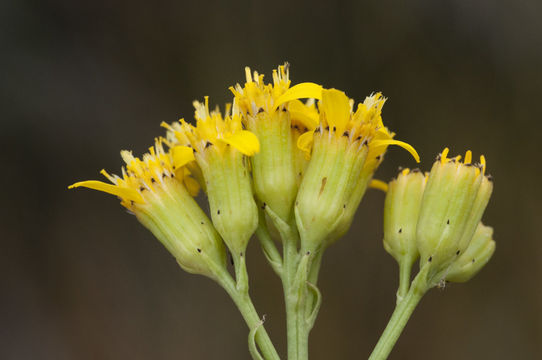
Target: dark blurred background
x=81, y=279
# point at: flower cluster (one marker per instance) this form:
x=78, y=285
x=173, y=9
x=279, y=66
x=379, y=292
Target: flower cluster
x=270, y=149
x=437, y=217
x=292, y=163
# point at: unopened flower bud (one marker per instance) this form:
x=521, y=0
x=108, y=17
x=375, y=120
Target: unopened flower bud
x=478, y=253
x=454, y=201
x=401, y=210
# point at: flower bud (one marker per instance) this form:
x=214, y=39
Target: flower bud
x=155, y=190
x=401, y=210
x=478, y=253
x=454, y=200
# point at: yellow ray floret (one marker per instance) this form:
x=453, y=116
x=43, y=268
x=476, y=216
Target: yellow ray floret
x=212, y=129
x=144, y=175
x=379, y=185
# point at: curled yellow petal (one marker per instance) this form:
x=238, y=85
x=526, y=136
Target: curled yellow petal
x=182, y=155
x=124, y=193
x=379, y=184
x=404, y=145
x=304, y=142
x=300, y=91
x=336, y=106
x=307, y=116
x=244, y=141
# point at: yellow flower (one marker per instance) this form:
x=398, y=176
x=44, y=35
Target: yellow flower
x=221, y=146
x=257, y=96
x=346, y=147
x=141, y=178
x=156, y=190
x=213, y=130
x=364, y=126
x=275, y=169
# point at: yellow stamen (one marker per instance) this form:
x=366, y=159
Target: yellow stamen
x=443, y=155
x=468, y=157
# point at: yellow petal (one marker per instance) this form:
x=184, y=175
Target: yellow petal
x=379, y=184
x=182, y=155
x=336, y=106
x=191, y=185
x=302, y=113
x=304, y=142
x=300, y=91
x=124, y=193
x=404, y=145
x=245, y=141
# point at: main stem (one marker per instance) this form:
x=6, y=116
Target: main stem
x=402, y=313
x=246, y=307
x=290, y=262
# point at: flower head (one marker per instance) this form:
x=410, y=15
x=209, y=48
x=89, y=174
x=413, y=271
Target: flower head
x=361, y=127
x=275, y=168
x=221, y=146
x=454, y=201
x=345, y=149
x=256, y=96
x=156, y=189
x=214, y=131
x=142, y=178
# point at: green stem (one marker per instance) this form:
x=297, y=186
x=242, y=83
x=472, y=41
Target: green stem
x=291, y=259
x=313, y=278
x=405, y=267
x=268, y=246
x=246, y=307
x=402, y=313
